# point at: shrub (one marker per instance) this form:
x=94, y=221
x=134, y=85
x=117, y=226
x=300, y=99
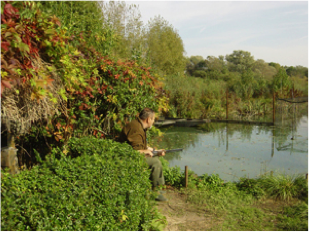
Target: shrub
x=250, y=186
x=173, y=176
x=213, y=182
x=200, y=73
x=106, y=187
x=284, y=187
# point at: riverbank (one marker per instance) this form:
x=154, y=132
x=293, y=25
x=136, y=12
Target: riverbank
x=269, y=202
x=184, y=213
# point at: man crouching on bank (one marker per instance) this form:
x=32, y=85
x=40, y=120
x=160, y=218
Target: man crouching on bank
x=134, y=133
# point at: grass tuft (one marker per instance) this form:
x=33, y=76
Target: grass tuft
x=284, y=187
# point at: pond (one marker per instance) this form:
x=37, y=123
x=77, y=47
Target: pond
x=240, y=150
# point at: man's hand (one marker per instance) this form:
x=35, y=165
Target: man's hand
x=147, y=153
x=161, y=152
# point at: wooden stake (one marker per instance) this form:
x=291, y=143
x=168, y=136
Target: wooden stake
x=10, y=140
x=186, y=176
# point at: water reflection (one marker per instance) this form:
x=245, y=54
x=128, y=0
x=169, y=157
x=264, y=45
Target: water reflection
x=237, y=150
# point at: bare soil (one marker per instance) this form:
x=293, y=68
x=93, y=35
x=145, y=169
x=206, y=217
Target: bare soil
x=181, y=215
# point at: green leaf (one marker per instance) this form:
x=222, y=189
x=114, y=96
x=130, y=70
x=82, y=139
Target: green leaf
x=23, y=47
x=50, y=31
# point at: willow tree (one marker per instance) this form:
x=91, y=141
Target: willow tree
x=165, y=46
x=125, y=20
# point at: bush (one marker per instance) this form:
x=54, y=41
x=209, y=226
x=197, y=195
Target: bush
x=106, y=187
x=173, y=176
x=250, y=186
x=200, y=73
x=212, y=182
x=284, y=187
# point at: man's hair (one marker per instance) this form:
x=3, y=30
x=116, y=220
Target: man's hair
x=145, y=113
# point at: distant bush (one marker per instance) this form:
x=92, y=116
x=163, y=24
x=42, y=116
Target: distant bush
x=200, y=73
x=106, y=187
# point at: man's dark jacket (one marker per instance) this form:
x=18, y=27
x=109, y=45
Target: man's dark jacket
x=134, y=134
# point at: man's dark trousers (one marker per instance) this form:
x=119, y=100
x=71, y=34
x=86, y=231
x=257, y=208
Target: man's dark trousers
x=156, y=176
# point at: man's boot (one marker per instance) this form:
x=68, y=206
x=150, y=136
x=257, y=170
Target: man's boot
x=160, y=196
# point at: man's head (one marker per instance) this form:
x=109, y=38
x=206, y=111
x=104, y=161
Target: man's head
x=147, y=115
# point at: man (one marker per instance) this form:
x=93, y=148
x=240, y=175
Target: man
x=134, y=133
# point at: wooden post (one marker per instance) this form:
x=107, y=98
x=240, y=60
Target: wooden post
x=271, y=173
x=186, y=176
x=10, y=140
x=274, y=108
x=227, y=104
x=307, y=176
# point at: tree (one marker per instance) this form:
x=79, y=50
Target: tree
x=196, y=59
x=248, y=84
x=165, y=46
x=263, y=70
x=125, y=20
x=275, y=65
x=281, y=80
x=240, y=61
x=82, y=18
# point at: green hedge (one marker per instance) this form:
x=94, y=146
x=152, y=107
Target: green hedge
x=105, y=187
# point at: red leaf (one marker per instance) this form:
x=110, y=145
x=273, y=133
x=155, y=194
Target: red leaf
x=117, y=76
x=141, y=82
x=49, y=81
x=6, y=84
x=58, y=125
x=1, y=89
x=9, y=10
x=58, y=137
x=5, y=45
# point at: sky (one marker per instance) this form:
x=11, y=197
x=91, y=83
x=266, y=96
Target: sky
x=274, y=31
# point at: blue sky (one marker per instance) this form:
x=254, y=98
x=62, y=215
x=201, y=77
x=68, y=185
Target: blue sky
x=274, y=31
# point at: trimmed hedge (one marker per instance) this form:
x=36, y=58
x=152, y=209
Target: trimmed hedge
x=106, y=187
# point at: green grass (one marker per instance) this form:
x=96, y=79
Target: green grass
x=294, y=218
x=284, y=187
x=277, y=202
x=232, y=209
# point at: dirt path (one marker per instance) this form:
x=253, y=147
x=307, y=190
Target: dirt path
x=183, y=216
